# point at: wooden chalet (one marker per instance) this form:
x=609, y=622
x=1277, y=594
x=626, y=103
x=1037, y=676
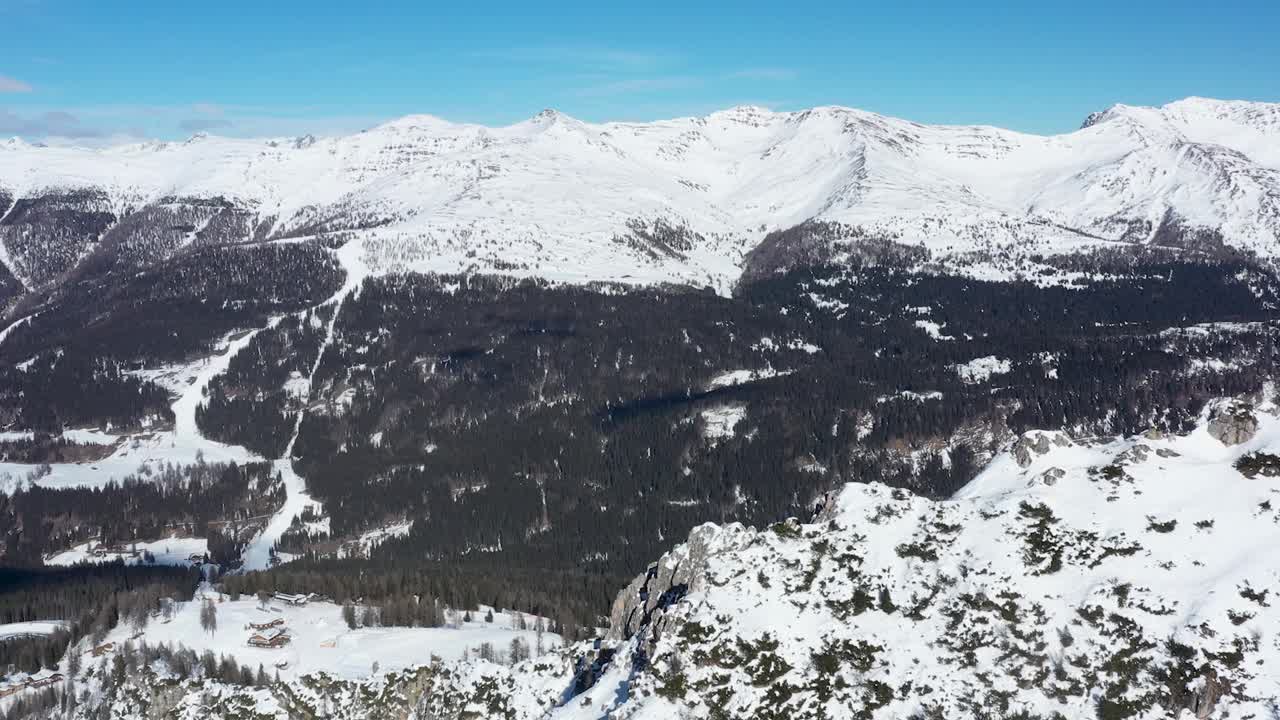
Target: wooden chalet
x=266, y=625
x=277, y=637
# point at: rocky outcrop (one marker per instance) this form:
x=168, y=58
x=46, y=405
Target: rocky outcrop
x=1049, y=477
x=1233, y=423
x=639, y=609
x=1033, y=444
x=1208, y=690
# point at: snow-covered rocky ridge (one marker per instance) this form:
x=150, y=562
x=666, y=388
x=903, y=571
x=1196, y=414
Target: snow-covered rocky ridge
x=680, y=200
x=1127, y=578
x=1073, y=578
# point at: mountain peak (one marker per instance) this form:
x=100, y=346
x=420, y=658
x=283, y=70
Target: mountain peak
x=1101, y=116
x=743, y=111
x=549, y=117
x=417, y=121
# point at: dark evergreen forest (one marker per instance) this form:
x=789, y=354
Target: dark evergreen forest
x=91, y=599
x=547, y=441
x=564, y=431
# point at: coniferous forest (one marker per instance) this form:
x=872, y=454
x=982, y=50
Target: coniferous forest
x=544, y=442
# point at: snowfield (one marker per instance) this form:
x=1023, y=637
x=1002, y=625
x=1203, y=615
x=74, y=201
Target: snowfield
x=558, y=198
x=320, y=640
x=26, y=629
x=166, y=551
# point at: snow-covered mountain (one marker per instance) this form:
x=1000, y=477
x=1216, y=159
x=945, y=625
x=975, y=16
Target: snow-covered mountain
x=679, y=200
x=1073, y=578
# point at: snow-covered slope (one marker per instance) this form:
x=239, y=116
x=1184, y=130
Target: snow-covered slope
x=1074, y=578
x=560, y=198
x=1111, y=578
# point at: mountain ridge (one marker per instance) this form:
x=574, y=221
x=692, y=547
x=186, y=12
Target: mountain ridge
x=556, y=197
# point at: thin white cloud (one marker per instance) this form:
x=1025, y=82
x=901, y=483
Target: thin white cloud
x=205, y=108
x=54, y=123
x=582, y=58
x=205, y=116
x=764, y=74
x=13, y=85
x=638, y=85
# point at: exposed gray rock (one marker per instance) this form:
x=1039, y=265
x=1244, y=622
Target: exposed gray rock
x=640, y=607
x=1136, y=455
x=1049, y=477
x=1205, y=697
x=1233, y=423
x=1037, y=443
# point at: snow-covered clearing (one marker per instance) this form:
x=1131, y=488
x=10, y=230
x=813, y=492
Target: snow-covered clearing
x=28, y=629
x=319, y=639
x=981, y=369
x=166, y=551
x=720, y=421
x=910, y=395
x=933, y=330
x=364, y=544
x=740, y=377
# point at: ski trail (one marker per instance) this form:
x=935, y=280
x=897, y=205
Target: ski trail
x=17, y=324
x=184, y=408
x=5, y=258
x=257, y=555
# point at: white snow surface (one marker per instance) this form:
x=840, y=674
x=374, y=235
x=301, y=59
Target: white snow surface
x=719, y=422
x=166, y=551
x=320, y=640
x=547, y=196
x=27, y=629
x=981, y=369
x=1144, y=540
x=136, y=453
x=740, y=377
x=1093, y=572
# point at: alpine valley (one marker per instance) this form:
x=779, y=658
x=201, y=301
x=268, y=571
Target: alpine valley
x=818, y=414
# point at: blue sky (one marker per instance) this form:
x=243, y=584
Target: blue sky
x=99, y=71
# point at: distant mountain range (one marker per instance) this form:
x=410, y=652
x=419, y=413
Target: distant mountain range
x=681, y=200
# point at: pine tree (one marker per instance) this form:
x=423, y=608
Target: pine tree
x=209, y=616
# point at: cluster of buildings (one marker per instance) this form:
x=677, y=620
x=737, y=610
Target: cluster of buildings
x=295, y=600
x=31, y=685
x=271, y=634
x=103, y=551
